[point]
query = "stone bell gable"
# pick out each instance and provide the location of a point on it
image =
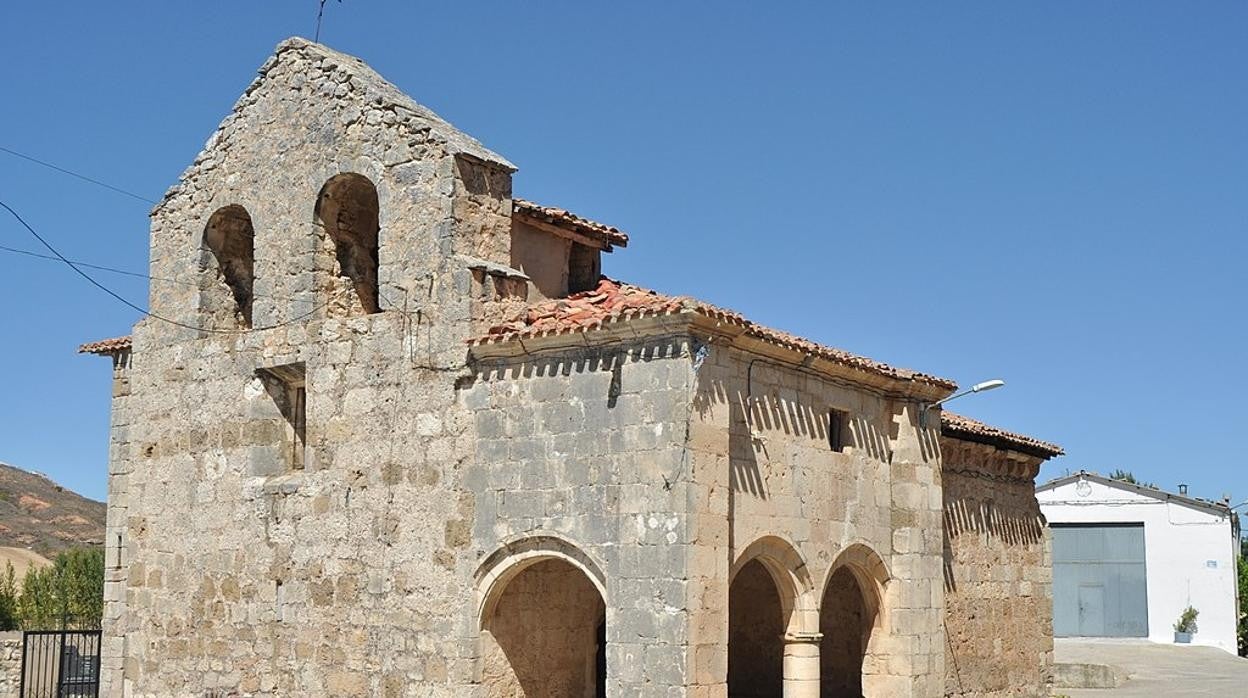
(327, 192)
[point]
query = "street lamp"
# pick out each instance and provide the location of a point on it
(977, 388)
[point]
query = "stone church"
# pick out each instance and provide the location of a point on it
(395, 434)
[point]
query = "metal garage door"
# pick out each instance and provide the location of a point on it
(1098, 581)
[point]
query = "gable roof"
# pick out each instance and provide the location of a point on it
(614, 302)
(1160, 495)
(364, 82)
(377, 90)
(957, 426)
(549, 215)
(106, 347)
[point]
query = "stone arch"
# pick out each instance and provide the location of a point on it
(770, 605)
(851, 620)
(230, 238)
(542, 616)
(349, 210)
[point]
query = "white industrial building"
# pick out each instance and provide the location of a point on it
(1127, 559)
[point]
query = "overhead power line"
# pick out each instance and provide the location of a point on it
(83, 177)
(131, 194)
(144, 311)
(320, 12)
(135, 274)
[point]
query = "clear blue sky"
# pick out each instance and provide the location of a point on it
(1051, 193)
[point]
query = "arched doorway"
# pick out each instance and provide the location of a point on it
(771, 615)
(755, 628)
(848, 621)
(543, 629)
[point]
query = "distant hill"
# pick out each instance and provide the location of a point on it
(22, 560)
(40, 515)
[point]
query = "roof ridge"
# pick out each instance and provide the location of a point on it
(612, 300)
(383, 91)
(955, 425)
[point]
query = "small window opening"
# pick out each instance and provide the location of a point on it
(286, 385)
(838, 430)
(584, 268)
(230, 237)
(348, 209)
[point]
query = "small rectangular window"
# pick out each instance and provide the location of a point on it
(838, 430)
(285, 384)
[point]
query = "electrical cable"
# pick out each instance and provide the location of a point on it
(137, 308)
(83, 177)
(135, 274)
(125, 192)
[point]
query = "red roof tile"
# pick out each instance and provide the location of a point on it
(566, 219)
(959, 427)
(106, 346)
(613, 302)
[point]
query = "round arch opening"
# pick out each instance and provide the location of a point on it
(849, 622)
(348, 209)
(543, 627)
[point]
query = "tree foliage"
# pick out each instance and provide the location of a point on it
(1129, 477)
(1243, 606)
(8, 598)
(69, 592)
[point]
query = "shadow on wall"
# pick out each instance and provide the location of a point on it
(588, 360)
(982, 517)
(756, 407)
(744, 474)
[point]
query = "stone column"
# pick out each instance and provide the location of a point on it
(801, 665)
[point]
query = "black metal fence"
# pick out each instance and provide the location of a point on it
(60, 664)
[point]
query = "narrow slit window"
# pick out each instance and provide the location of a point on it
(838, 430)
(299, 426)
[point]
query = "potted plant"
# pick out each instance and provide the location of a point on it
(1186, 626)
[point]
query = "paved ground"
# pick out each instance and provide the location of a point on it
(1157, 671)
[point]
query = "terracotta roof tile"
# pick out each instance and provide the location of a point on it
(613, 302)
(566, 219)
(957, 426)
(106, 346)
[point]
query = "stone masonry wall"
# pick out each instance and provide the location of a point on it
(583, 449)
(10, 664)
(764, 471)
(998, 575)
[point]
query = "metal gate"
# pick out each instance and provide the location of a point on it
(60, 664)
(1099, 582)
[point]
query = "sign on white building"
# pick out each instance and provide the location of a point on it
(1128, 559)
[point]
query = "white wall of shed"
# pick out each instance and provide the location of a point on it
(1189, 555)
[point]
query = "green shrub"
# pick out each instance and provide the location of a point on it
(1243, 607)
(8, 598)
(1187, 621)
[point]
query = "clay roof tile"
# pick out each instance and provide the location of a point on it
(106, 347)
(960, 427)
(612, 300)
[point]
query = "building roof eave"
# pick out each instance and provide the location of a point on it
(1160, 495)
